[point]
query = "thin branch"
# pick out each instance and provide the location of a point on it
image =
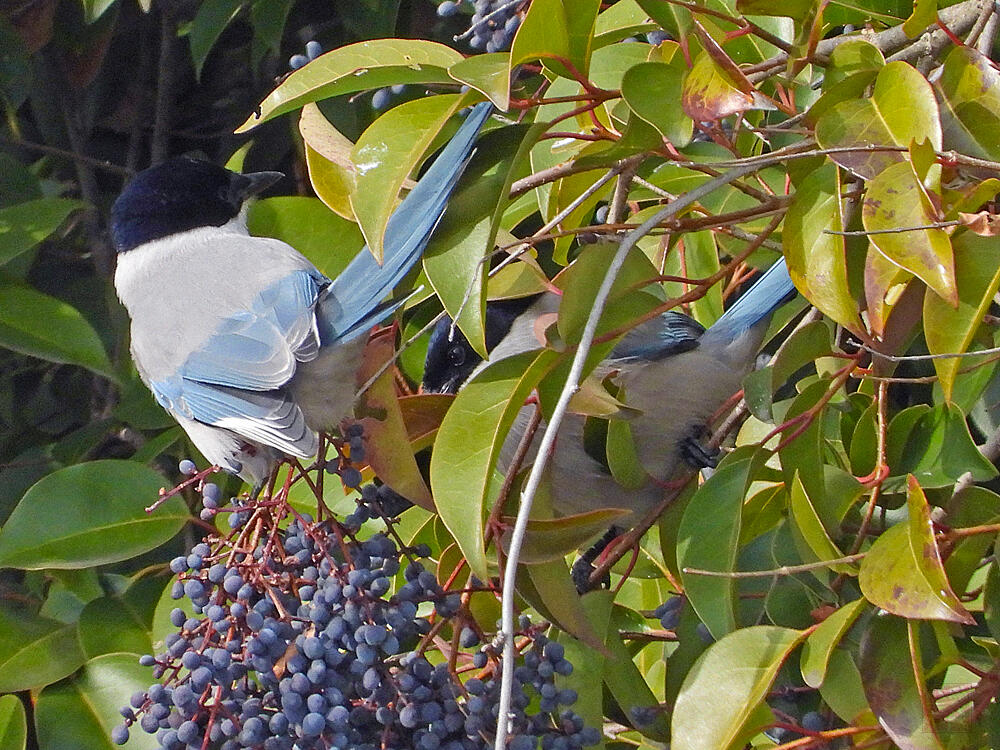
(570, 387)
(894, 230)
(784, 570)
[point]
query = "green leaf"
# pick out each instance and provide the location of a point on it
(15, 66)
(590, 660)
(902, 572)
(557, 30)
(948, 329)
(89, 514)
(66, 337)
(901, 110)
(210, 21)
(550, 539)
(328, 157)
(625, 683)
(387, 152)
(938, 448)
(708, 539)
(13, 724)
(991, 600)
(817, 261)
(896, 199)
(647, 85)
(924, 14)
(488, 73)
(469, 441)
(733, 677)
(306, 224)
(891, 686)
(94, 9)
(35, 651)
(81, 712)
(819, 646)
(453, 260)
(358, 67)
(24, 225)
(120, 623)
(551, 590)
(968, 92)
(807, 523)
(842, 688)
(710, 93)
(802, 347)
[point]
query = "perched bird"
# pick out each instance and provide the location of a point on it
(673, 371)
(247, 345)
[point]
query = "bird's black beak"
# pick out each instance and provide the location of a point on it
(245, 186)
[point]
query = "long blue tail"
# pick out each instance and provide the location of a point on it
(759, 301)
(353, 303)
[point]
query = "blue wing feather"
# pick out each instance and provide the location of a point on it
(664, 336)
(352, 304)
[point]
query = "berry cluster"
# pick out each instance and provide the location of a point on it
(493, 23)
(297, 641)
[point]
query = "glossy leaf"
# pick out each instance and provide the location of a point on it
(552, 591)
(646, 85)
(469, 442)
(733, 677)
(326, 239)
(820, 644)
(24, 225)
(35, 651)
(554, 29)
(817, 260)
(901, 109)
(708, 538)
(902, 572)
(625, 683)
(939, 448)
(949, 329)
(364, 65)
(487, 73)
(13, 723)
(891, 686)
(81, 712)
(387, 152)
(66, 338)
(89, 514)
(120, 623)
(895, 199)
(709, 92)
(466, 234)
(387, 445)
(809, 526)
(968, 92)
(328, 157)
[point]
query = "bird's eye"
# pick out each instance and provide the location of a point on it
(456, 355)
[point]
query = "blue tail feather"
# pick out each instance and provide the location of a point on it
(353, 301)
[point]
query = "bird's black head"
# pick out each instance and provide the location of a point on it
(450, 361)
(180, 194)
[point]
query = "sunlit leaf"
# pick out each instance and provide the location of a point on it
(644, 88)
(820, 644)
(902, 572)
(949, 329)
(808, 524)
(896, 200)
(361, 66)
(328, 157)
(488, 73)
(733, 677)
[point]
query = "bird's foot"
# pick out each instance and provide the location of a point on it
(584, 565)
(695, 453)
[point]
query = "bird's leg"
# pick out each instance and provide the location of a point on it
(584, 565)
(694, 452)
